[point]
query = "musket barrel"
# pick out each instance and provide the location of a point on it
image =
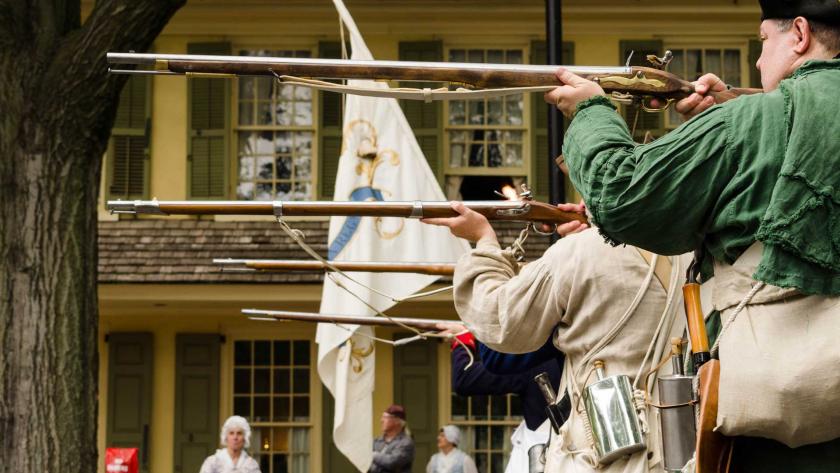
(434, 269)
(506, 210)
(420, 324)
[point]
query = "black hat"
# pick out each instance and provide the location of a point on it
(823, 11)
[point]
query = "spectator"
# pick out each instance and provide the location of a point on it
(393, 451)
(235, 438)
(450, 459)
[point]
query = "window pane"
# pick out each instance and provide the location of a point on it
(282, 381)
(246, 113)
(284, 167)
(481, 442)
(279, 462)
(457, 112)
(280, 442)
(261, 408)
(497, 461)
(498, 407)
(497, 437)
(242, 406)
(732, 67)
(242, 380)
(479, 407)
(262, 353)
(300, 408)
(282, 353)
(246, 168)
(242, 353)
(245, 191)
(282, 409)
(301, 380)
(459, 407)
(301, 353)
(262, 381)
(713, 62)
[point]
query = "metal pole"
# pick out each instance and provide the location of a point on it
(554, 46)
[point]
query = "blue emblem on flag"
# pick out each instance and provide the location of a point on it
(351, 224)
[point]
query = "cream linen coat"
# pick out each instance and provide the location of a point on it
(575, 292)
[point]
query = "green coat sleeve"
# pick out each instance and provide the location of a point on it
(660, 196)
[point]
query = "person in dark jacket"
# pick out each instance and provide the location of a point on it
(393, 451)
(508, 374)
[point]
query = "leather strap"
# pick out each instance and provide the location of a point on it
(662, 271)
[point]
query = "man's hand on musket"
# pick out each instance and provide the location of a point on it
(469, 224)
(570, 227)
(699, 102)
(575, 89)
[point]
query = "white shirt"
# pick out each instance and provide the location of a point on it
(221, 462)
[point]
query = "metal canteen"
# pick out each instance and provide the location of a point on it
(679, 430)
(612, 416)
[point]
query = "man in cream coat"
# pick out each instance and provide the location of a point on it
(599, 302)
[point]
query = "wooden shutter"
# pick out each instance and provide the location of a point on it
(539, 124)
(196, 399)
(128, 151)
(646, 121)
(424, 118)
(752, 58)
(330, 126)
(130, 392)
(209, 112)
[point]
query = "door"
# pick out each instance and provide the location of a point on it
(130, 392)
(197, 423)
(415, 388)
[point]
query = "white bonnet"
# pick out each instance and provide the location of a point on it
(452, 434)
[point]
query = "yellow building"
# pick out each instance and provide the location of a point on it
(176, 356)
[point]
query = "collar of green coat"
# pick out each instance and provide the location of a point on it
(815, 65)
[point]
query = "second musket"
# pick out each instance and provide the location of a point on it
(505, 210)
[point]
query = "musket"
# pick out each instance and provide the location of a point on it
(273, 265)
(282, 315)
(625, 83)
(524, 210)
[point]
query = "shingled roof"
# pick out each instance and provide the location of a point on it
(181, 251)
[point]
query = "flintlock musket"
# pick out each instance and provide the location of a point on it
(282, 315)
(625, 83)
(273, 265)
(524, 210)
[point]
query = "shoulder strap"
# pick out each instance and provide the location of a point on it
(662, 271)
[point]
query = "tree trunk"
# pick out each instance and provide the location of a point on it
(58, 105)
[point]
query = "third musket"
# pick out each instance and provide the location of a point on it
(506, 210)
(433, 269)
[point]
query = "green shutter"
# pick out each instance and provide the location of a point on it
(128, 153)
(539, 119)
(196, 399)
(424, 118)
(209, 112)
(754, 54)
(646, 121)
(130, 393)
(330, 118)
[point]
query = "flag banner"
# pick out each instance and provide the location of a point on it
(380, 160)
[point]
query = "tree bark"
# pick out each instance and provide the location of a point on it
(58, 105)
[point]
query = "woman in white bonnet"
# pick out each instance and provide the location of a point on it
(232, 458)
(450, 459)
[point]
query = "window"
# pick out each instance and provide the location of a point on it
(692, 62)
(271, 388)
(486, 137)
(274, 130)
(486, 422)
(128, 150)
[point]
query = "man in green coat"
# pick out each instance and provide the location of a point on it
(762, 168)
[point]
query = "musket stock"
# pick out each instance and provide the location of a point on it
(268, 265)
(625, 81)
(282, 315)
(502, 210)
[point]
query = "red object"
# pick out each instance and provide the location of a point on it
(465, 338)
(121, 460)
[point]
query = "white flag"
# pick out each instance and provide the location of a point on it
(380, 160)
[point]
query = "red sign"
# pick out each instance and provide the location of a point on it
(121, 460)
